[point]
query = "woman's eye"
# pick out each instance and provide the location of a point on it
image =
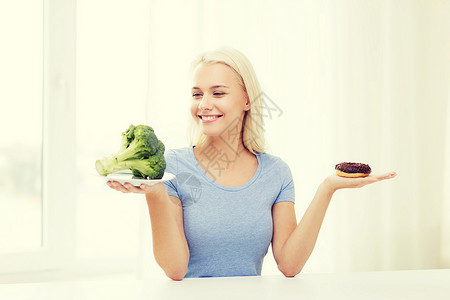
(216, 94)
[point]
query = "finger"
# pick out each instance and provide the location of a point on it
(360, 182)
(118, 187)
(133, 189)
(386, 176)
(112, 184)
(145, 187)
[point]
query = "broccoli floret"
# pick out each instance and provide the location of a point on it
(155, 165)
(141, 152)
(127, 137)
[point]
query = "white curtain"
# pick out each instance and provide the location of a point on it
(354, 81)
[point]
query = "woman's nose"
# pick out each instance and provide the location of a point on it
(205, 103)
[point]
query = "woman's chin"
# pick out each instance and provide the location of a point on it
(209, 130)
(210, 133)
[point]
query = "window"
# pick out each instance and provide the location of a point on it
(21, 122)
(37, 154)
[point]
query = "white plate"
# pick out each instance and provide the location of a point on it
(127, 176)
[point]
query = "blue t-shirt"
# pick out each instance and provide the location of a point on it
(228, 229)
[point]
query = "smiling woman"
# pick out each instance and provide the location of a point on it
(218, 104)
(340, 83)
(348, 81)
(247, 195)
(227, 82)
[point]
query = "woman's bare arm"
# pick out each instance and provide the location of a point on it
(166, 216)
(293, 244)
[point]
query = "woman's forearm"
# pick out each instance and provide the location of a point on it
(169, 245)
(300, 244)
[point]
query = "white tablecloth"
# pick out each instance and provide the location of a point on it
(421, 284)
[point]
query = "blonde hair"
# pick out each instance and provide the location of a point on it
(252, 133)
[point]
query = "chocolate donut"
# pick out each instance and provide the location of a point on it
(350, 169)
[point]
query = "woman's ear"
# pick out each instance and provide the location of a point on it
(247, 104)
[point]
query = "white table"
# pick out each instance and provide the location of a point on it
(423, 284)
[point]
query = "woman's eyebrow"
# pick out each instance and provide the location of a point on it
(212, 87)
(218, 86)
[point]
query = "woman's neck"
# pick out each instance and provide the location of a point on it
(226, 163)
(220, 152)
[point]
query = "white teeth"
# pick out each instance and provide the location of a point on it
(209, 118)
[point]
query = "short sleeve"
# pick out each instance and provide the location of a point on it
(287, 190)
(171, 167)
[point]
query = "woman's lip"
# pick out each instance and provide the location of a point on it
(209, 118)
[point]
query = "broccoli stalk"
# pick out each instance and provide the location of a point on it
(141, 152)
(110, 165)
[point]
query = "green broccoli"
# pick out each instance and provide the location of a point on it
(127, 137)
(141, 152)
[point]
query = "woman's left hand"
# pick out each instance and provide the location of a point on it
(335, 182)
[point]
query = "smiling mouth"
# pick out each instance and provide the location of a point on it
(209, 118)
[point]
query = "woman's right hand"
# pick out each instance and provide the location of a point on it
(129, 188)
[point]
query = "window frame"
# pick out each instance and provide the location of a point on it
(58, 145)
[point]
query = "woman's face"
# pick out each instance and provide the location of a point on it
(219, 101)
